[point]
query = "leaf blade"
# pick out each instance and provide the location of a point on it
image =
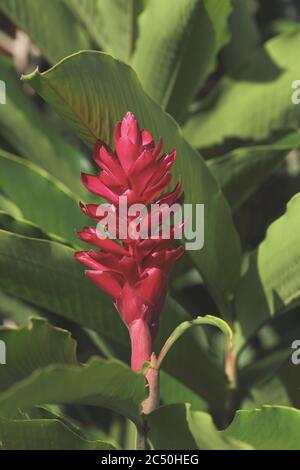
(271, 281)
(172, 59)
(58, 213)
(262, 87)
(268, 428)
(56, 17)
(58, 87)
(44, 434)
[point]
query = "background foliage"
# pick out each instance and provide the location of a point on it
(214, 78)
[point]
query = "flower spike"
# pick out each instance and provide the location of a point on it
(133, 271)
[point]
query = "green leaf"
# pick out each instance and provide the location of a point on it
(24, 126)
(270, 428)
(57, 213)
(262, 369)
(245, 36)
(15, 310)
(6, 205)
(44, 434)
(255, 101)
(219, 15)
(46, 274)
(107, 384)
(271, 280)
(24, 227)
(287, 376)
(271, 391)
(271, 371)
(36, 345)
(178, 427)
(28, 229)
(173, 391)
(174, 57)
(92, 91)
(283, 25)
(241, 172)
(50, 25)
(111, 25)
(41, 368)
(183, 327)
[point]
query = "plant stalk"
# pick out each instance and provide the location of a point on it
(141, 353)
(231, 372)
(151, 402)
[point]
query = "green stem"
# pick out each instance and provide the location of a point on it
(141, 439)
(150, 404)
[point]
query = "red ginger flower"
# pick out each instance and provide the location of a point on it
(135, 273)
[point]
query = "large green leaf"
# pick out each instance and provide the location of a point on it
(262, 369)
(241, 172)
(6, 205)
(41, 368)
(47, 203)
(288, 378)
(271, 391)
(271, 280)
(50, 25)
(111, 24)
(36, 345)
(274, 362)
(173, 391)
(35, 280)
(269, 376)
(219, 15)
(178, 427)
(44, 434)
(92, 91)
(15, 310)
(255, 101)
(270, 428)
(245, 35)
(108, 384)
(24, 126)
(45, 273)
(26, 228)
(173, 57)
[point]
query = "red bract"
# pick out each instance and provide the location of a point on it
(133, 272)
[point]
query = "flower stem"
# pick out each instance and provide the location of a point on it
(230, 365)
(141, 352)
(152, 376)
(151, 402)
(141, 439)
